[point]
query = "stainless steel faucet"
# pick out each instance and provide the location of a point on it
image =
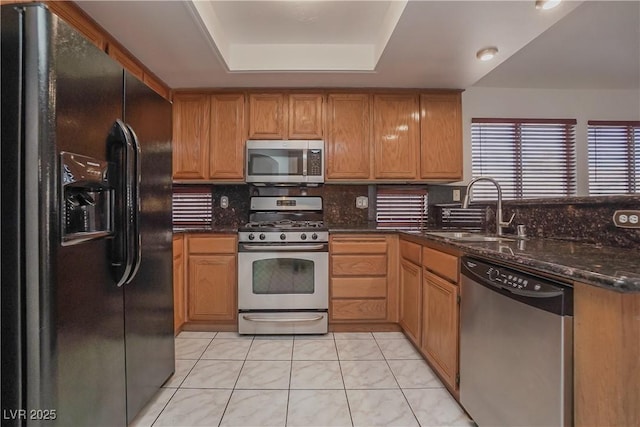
(499, 222)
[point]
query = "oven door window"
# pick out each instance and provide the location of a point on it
(276, 276)
(275, 162)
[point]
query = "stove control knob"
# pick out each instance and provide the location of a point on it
(494, 274)
(314, 236)
(262, 236)
(303, 236)
(252, 236)
(283, 236)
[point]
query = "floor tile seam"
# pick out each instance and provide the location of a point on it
(155, 420)
(226, 406)
(190, 370)
(343, 383)
(410, 407)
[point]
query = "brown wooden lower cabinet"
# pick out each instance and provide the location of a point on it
(411, 300)
(179, 303)
(212, 278)
(363, 278)
(606, 357)
(440, 332)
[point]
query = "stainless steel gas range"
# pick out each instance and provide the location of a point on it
(283, 267)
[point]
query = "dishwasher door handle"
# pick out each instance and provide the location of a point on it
(532, 294)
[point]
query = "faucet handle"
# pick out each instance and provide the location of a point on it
(508, 223)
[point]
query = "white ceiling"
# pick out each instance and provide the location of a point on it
(429, 44)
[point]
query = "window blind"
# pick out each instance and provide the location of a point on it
(614, 157)
(401, 209)
(192, 207)
(529, 157)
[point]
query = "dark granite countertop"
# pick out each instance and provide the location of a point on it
(607, 267)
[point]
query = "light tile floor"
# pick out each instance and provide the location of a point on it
(338, 379)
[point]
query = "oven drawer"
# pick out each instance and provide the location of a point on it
(297, 322)
(358, 309)
(359, 265)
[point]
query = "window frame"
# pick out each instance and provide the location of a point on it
(518, 149)
(632, 130)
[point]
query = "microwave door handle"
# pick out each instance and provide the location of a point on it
(120, 153)
(136, 245)
(304, 162)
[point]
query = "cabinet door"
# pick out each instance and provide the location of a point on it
(441, 136)
(348, 136)
(191, 137)
(267, 116)
(226, 159)
(395, 136)
(305, 116)
(212, 287)
(440, 334)
(410, 299)
(179, 305)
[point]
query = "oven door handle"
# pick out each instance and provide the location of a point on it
(267, 248)
(282, 319)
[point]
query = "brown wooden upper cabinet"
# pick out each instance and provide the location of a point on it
(305, 116)
(348, 137)
(191, 136)
(395, 136)
(226, 157)
(208, 137)
(267, 116)
(441, 136)
(286, 116)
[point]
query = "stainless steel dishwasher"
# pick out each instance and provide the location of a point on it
(516, 339)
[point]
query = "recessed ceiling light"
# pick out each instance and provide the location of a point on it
(487, 53)
(547, 4)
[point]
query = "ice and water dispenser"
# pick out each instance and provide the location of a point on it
(86, 198)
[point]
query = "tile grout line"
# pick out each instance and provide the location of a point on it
(342, 378)
(235, 384)
(181, 382)
(286, 413)
(397, 382)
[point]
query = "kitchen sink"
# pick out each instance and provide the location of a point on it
(465, 236)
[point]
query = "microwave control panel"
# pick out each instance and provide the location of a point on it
(314, 164)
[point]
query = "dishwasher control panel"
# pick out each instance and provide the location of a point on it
(509, 278)
(546, 293)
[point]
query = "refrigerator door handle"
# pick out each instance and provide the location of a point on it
(122, 173)
(135, 186)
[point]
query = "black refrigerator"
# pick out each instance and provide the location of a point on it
(87, 301)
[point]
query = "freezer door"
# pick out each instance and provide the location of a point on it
(149, 293)
(74, 313)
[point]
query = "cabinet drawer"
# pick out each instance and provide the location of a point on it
(440, 263)
(212, 244)
(359, 246)
(359, 287)
(358, 309)
(359, 265)
(410, 251)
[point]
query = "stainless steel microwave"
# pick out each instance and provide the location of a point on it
(285, 162)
